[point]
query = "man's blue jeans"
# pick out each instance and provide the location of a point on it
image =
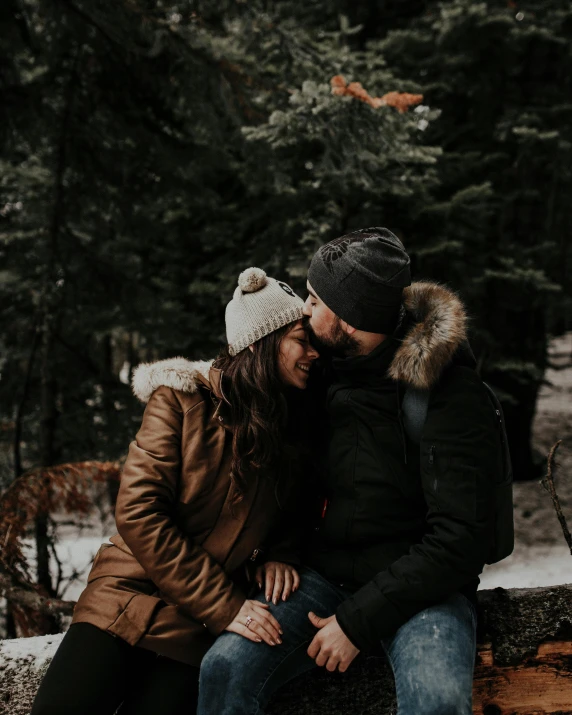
(432, 656)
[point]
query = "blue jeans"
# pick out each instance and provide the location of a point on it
(432, 656)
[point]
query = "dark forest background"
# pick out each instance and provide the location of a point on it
(151, 150)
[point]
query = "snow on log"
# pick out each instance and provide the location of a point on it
(524, 665)
(23, 663)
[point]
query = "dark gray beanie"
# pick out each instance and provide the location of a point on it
(361, 277)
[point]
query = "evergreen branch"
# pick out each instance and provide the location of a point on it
(118, 44)
(548, 484)
(289, 39)
(92, 22)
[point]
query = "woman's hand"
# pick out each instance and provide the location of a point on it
(255, 622)
(278, 580)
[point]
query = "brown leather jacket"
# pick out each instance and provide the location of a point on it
(173, 577)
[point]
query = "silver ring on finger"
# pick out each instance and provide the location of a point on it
(248, 621)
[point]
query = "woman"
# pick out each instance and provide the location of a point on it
(204, 482)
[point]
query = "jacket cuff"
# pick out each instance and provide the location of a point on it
(367, 617)
(345, 624)
(223, 614)
(285, 556)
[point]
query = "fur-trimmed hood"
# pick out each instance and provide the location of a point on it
(178, 373)
(437, 330)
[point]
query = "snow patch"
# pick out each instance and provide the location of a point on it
(529, 567)
(34, 652)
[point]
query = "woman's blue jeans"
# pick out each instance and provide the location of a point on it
(432, 656)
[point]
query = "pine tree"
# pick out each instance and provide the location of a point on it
(150, 152)
(498, 228)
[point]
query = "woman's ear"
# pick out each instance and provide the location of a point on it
(251, 348)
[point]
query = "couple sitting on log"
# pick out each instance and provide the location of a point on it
(329, 485)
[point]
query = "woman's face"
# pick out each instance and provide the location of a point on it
(295, 357)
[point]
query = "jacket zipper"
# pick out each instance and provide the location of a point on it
(400, 420)
(432, 454)
(434, 476)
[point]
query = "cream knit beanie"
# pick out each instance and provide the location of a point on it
(260, 305)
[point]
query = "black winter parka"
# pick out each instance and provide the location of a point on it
(406, 525)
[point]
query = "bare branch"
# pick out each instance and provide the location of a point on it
(548, 484)
(559, 366)
(59, 565)
(27, 597)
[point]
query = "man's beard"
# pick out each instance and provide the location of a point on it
(336, 344)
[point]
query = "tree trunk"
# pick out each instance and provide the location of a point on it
(518, 324)
(519, 416)
(48, 420)
(10, 622)
(108, 381)
(51, 306)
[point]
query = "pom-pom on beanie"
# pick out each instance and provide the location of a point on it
(260, 305)
(361, 277)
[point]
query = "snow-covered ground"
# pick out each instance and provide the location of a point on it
(530, 567)
(35, 652)
(75, 554)
(541, 556)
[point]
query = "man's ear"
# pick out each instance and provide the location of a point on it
(347, 328)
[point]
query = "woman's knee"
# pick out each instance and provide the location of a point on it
(63, 702)
(46, 706)
(86, 674)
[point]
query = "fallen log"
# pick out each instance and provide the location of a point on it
(524, 665)
(22, 595)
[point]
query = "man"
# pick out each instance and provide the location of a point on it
(405, 529)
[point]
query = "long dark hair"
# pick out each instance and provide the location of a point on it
(262, 439)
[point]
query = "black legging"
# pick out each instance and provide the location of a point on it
(92, 673)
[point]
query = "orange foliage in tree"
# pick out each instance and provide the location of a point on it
(400, 100)
(63, 487)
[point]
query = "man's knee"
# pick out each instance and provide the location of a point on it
(216, 663)
(437, 696)
(225, 661)
(224, 683)
(450, 700)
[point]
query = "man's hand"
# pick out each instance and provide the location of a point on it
(331, 647)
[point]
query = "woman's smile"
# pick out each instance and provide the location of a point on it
(296, 357)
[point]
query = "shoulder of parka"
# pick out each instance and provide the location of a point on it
(460, 404)
(179, 374)
(438, 329)
(176, 401)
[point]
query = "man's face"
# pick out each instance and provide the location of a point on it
(327, 333)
